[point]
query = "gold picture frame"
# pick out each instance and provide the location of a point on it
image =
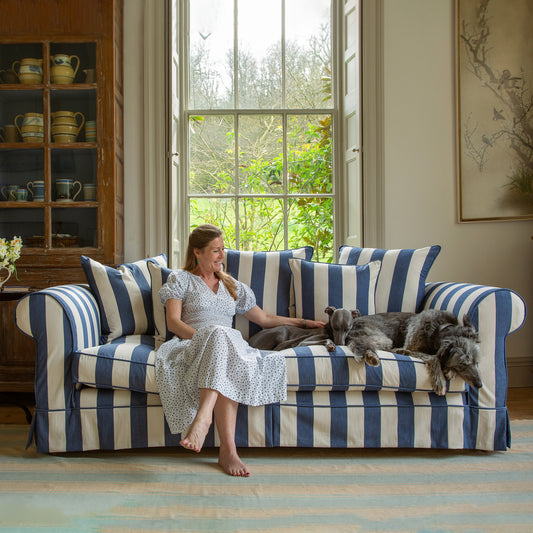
(494, 109)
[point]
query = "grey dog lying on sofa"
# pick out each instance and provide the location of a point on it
(283, 337)
(447, 347)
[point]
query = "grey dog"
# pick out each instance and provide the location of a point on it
(447, 347)
(283, 337)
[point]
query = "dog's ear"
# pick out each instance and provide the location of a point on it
(467, 323)
(356, 313)
(329, 310)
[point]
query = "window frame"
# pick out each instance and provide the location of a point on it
(164, 193)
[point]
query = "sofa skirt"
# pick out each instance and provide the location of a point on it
(112, 419)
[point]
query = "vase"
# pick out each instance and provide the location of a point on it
(3, 280)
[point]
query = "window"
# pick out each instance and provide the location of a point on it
(265, 108)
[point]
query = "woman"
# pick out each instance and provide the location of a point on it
(207, 367)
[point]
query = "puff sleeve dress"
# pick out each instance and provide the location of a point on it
(217, 357)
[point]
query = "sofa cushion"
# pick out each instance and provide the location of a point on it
(129, 363)
(124, 296)
(269, 276)
(124, 363)
(159, 275)
(402, 276)
(317, 285)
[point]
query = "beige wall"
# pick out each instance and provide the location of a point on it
(420, 174)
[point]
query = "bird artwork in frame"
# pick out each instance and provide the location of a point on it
(495, 109)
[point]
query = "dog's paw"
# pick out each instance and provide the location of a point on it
(439, 386)
(371, 358)
(330, 346)
(402, 351)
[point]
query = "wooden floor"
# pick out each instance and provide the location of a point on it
(519, 403)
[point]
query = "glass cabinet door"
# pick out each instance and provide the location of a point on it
(49, 179)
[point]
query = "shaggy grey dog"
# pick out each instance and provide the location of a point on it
(447, 347)
(283, 337)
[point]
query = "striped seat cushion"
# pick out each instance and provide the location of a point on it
(129, 363)
(125, 363)
(124, 296)
(318, 285)
(402, 276)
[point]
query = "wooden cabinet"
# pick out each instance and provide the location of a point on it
(17, 351)
(79, 145)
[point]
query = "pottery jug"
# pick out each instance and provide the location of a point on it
(32, 129)
(66, 125)
(62, 71)
(30, 70)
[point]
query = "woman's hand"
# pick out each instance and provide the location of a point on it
(266, 320)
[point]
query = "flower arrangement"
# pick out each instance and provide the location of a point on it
(9, 253)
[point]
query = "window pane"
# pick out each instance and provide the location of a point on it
(311, 223)
(218, 211)
(260, 154)
(308, 54)
(309, 154)
(211, 154)
(261, 224)
(211, 54)
(259, 29)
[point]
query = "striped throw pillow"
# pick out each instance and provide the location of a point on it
(269, 276)
(317, 285)
(159, 275)
(124, 296)
(402, 277)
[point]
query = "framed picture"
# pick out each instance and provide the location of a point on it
(495, 109)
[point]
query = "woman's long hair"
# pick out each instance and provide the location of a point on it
(199, 238)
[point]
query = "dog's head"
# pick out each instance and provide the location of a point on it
(459, 355)
(340, 322)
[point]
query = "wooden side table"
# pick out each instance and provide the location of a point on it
(17, 352)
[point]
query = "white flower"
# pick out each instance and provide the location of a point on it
(9, 253)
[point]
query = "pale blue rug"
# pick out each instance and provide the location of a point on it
(290, 490)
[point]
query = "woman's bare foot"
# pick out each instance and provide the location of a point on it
(232, 464)
(194, 440)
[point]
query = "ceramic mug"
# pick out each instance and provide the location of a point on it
(90, 131)
(21, 195)
(65, 190)
(36, 189)
(10, 133)
(89, 192)
(8, 192)
(90, 75)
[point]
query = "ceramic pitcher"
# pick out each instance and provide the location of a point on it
(62, 71)
(30, 70)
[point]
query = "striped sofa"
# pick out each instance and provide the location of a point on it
(95, 381)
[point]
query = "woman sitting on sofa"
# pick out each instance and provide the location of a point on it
(208, 367)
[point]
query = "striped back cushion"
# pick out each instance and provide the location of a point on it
(124, 296)
(269, 276)
(317, 285)
(402, 276)
(159, 275)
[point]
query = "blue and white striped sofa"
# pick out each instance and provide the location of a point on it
(95, 381)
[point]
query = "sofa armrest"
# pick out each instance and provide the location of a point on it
(496, 313)
(61, 319)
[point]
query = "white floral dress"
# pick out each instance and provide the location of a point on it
(217, 357)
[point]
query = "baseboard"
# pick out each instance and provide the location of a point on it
(520, 371)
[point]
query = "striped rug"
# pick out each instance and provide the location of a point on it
(289, 490)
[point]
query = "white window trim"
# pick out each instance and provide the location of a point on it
(157, 122)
